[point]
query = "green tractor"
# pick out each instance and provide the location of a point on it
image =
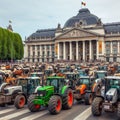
(109, 100)
(55, 95)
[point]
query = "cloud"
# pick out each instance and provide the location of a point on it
(27, 15)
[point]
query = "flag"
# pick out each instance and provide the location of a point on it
(10, 21)
(83, 3)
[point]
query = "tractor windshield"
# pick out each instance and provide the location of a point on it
(36, 75)
(115, 83)
(58, 83)
(83, 81)
(22, 82)
(101, 75)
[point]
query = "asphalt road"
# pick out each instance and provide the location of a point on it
(79, 111)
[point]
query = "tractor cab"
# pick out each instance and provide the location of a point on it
(118, 69)
(87, 81)
(82, 72)
(57, 82)
(37, 74)
(48, 72)
(109, 100)
(72, 77)
(28, 84)
(112, 82)
(100, 74)
(1, 80)
(63, 69)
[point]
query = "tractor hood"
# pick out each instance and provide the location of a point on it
(46, 88)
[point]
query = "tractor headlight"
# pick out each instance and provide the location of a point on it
(109, 97)
(6, 91)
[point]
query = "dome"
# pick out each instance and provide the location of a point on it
(83, 17)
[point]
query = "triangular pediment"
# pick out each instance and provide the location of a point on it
(76, 33)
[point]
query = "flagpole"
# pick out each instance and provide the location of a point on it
(81, 4)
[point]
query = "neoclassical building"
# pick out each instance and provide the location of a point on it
(84, 37)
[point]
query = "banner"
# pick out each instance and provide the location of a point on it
(56, 48)
(100, 47)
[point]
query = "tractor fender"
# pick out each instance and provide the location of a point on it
(83, 88)
(21, 93)
(15, 93)
(58, 94)
(2, 86)
(64, 89)
(37, 89)
(99, 96)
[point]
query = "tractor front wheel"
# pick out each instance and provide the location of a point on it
(97, 106)
(31, 106)
(55, 104)
(20, 101)
(88, 98)
(68, 99)
(118, 111)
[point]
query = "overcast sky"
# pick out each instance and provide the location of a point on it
(27, 16)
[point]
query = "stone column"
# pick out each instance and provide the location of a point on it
(83, 50)
(118, 47)
(90, 49)
(70, 50)
(64, 50)
(111, 47)
(45, 58)
(58, 51)
(76, 50)
(35, 57)
(40, 53)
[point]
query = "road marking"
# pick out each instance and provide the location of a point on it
(84, 115)
(14, 114)
(35, 115)
(6, 110)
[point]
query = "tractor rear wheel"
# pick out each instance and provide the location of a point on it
(2, 105)
(55, 104)
(88, 98)
(68, 99)
(97, 106)
(20, 101)
(118, 111)
(31, 106)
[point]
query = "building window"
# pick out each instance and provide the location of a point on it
(43, 53)
(42, 59)
(33, 54)
(33, 60)
(48, 53)
(53, 53)
(48, 47)
(38, 54)
(38, 47)
(52, 47)
(38, 60)
(107, 51)
(43, 47)
(33, 47)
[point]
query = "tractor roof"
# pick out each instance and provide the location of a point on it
(85, 77)
(28, 78)
(54, 77)
(112, 77)
(101, 71)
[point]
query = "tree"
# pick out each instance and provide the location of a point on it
(11, 46)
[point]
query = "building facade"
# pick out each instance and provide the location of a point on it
(84, 37)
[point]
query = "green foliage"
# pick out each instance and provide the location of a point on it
(11, 46)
